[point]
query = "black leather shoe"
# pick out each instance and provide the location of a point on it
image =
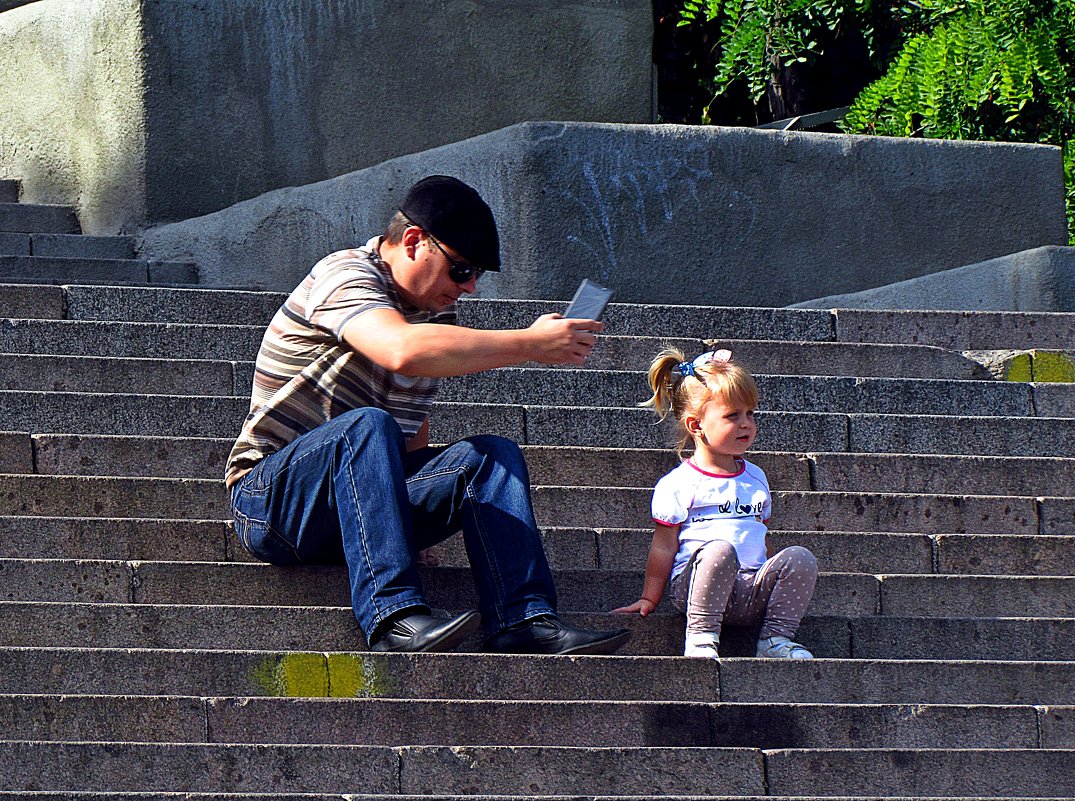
(550, 635)
(423, 632)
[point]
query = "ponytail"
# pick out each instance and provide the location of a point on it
(661, 382)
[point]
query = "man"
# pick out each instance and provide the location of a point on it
(333, 460)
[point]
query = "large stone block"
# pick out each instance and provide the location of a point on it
(153, 110)
(1041, 279)
(613, 203)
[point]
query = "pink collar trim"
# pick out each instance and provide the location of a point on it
(742, 466)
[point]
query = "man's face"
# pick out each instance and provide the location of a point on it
(426, 282)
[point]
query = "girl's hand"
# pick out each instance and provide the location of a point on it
(642, 606)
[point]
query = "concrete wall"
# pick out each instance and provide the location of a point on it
(72, 120)
(1042, 279)
(670, 213)
(232, 98)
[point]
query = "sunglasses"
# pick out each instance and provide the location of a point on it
(460, 271)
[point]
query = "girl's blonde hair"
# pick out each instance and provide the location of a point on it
(683, 395)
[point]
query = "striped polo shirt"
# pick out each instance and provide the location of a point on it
(306, 375)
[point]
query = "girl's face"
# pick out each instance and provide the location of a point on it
(721, 433)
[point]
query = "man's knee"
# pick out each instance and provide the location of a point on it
(492, 444)
(366, 422)
(501, 450)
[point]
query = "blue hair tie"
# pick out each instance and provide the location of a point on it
(690, 368)
(684, 369)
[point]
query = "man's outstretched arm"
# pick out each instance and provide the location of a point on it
(426, 349)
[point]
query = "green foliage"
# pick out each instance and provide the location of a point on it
(1001, 70)
(759, 38)
(982, 69)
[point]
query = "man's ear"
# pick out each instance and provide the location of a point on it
(412, 236)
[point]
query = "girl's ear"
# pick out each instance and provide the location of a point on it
(693, 424)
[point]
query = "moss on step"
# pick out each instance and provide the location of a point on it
(1042, 366)
(293, 675)
(305, 675)
(358, 676)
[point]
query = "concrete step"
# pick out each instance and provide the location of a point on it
(813, 432)
(597, 591)
(540, 770)
(609, 388)
(598, 507)
(829, 358)
(107, 374)
(82, 247)
(939, 434)
(240, 343)
(170, 305)
(208, 416)
(44, 537)
(118, 538)
(985, 596)
(829, 511)
(226, 627)
(10, 190)
(581, 724)
(204, 416)
(32, 301)
(35, 218)
(956, 331)
(979, 475)
(846, 594)
(55, 269)
(165, 796)
(14, 244)
(104, 455)
(583, 388)
(872, 552)
(126, 671)
(73, 246)
(137, 340)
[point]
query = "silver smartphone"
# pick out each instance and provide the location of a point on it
(589, 301)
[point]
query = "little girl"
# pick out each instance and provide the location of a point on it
(711, 513)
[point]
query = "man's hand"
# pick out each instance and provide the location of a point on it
(561, 340)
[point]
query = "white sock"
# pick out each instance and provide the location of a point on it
(701, 643)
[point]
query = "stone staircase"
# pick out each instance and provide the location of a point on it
(144, 655)
(41, 243)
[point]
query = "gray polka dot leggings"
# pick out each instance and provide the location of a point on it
(712, 589)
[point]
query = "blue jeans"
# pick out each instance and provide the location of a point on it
(349, 492)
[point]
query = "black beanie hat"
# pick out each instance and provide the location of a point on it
(455, 214)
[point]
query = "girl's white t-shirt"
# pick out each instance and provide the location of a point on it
(711, 506)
